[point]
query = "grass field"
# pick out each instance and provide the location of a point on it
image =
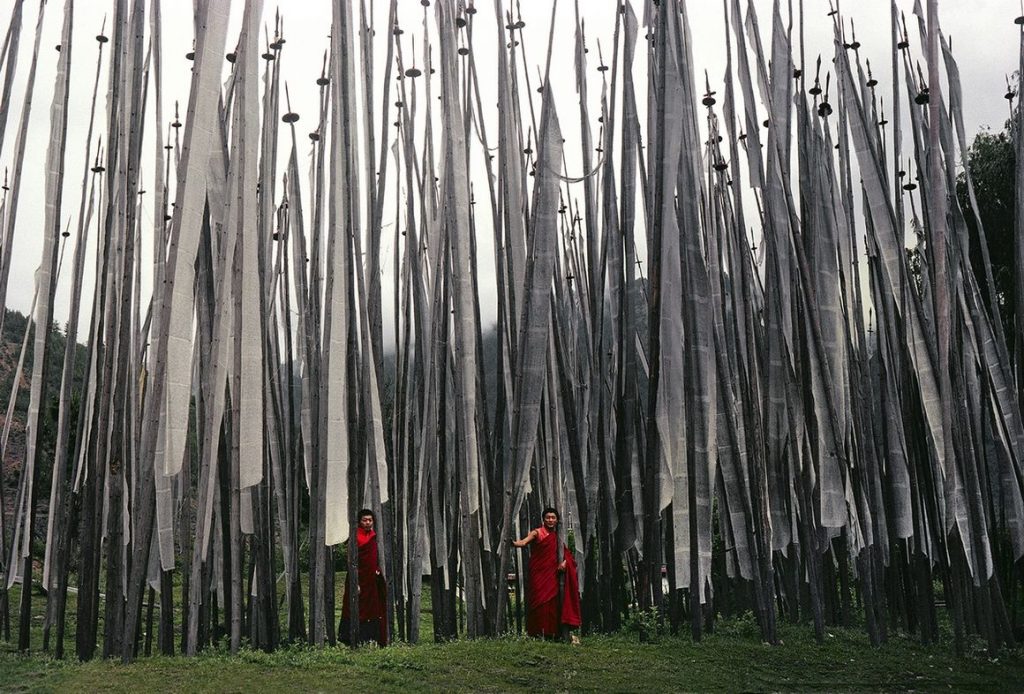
(731, 659)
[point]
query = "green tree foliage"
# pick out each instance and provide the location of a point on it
(11, 341)
(992, 164)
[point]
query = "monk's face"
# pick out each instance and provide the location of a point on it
(366, 522)
(550, 520)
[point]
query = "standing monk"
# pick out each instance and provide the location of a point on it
(373, 621)
(545, 613)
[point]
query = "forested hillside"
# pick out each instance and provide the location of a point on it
(16, 360)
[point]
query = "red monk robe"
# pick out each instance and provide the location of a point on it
(373, 623)
(544, 615)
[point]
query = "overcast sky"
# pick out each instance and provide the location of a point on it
(985, 43)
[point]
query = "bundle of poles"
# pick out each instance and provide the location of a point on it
(713, 351)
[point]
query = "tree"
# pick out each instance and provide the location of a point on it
(992, 164)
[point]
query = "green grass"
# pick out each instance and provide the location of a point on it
(731, 659)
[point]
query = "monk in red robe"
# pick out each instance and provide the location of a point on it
(546, 614)
(373, 621)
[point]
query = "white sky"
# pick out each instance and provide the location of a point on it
(985, 43)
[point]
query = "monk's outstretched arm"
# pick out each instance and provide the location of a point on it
(530, 537)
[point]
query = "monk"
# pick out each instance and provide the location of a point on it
(545, 615)
(373, 622)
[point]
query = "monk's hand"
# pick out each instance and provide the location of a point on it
(561, 567)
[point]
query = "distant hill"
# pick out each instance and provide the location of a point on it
(11, 341)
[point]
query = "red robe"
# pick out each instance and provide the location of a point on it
(373, 622)
(544, 615)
